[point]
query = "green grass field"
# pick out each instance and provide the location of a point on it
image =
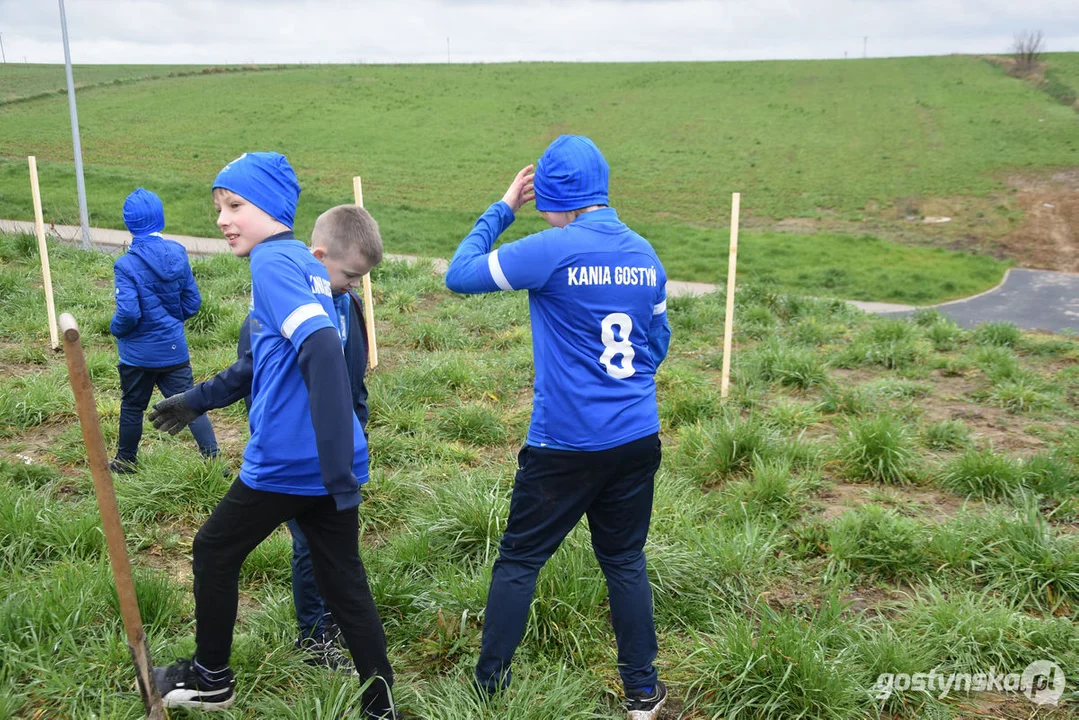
(858, 143)
(876, 496)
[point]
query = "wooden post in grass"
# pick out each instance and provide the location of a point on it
(110, 517)
(728, 323)
(368, 300)
(43, 250)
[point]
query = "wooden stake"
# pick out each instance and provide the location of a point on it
(43, 250)
(110, 517)
(728, 323)
(368, 300)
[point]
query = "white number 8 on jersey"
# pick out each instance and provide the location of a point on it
(613, 347)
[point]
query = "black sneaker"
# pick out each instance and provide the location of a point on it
(643, 705)
(322, 651)
(122, 467)
(181, 686)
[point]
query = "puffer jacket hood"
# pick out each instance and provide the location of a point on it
(143, 213)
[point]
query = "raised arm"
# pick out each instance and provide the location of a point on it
(474, 268)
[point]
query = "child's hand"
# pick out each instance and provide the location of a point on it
(520, 190)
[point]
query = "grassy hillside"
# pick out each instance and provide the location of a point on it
(843, 141)
(1062, 72)
(19, 82)
(877, 496)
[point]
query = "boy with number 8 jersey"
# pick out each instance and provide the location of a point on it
(597, 300)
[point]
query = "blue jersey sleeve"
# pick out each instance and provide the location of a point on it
(223, 389)
(284, 296)
(522, 265)
(659, 331)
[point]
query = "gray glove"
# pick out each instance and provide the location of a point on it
(172, 414)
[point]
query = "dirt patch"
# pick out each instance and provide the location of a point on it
(993, 705)
(877, 600)
(950, 401)
(673, 709)
(173, 562)
(37, 442)
(839, 499)
(923, 503)
(1048, 237)
(231, 434)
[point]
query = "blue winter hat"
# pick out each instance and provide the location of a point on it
(572, 174)
(266, 180)
(144, 213)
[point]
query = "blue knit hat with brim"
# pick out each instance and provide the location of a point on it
(572, 174)
(143, 213)
(264, 179)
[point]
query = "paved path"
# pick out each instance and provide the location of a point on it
(1032, 299)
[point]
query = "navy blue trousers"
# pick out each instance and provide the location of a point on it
(137, 385)
(553, 489)
(311, 614)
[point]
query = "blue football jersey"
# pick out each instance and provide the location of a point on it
(291, 299)
(598, 305)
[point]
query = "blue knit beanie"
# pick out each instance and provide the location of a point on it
(571, 175)
(144, 213)
(264, 179)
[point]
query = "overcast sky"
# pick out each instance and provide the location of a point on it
(270, 31)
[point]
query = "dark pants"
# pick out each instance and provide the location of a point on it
(138, 385)
(551, 492)
(311, 615)
(246, 517)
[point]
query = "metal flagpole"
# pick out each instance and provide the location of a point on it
(80, 182)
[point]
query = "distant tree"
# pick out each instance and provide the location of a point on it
(1027, 50)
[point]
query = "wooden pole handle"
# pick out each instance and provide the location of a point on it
(43, 251)
(368, 296)
(728, 323)
(90, 423)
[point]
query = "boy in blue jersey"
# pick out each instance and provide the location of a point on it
(597, 300)
(306, 457)
(155, 294)
(346, 240)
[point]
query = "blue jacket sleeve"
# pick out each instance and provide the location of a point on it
(228, 386)
(190, 298)
(322, 364)
(127, 313)
(470, 269)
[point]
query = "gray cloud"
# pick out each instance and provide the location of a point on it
(238, 31)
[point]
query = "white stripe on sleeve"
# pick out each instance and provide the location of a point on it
(660, 309)
(496, 272)
(298, 316)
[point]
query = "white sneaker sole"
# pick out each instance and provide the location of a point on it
(647, 714)
(179, 700)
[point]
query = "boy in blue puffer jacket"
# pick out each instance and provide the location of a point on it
(155, 294)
